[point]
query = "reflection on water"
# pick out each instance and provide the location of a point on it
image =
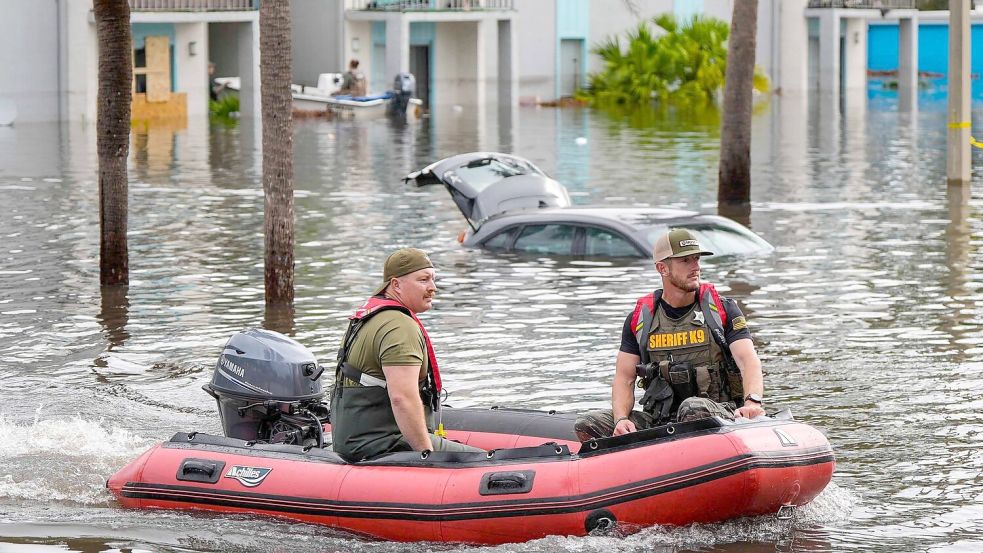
(867, 316)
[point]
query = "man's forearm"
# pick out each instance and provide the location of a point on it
(404, 396)
(411, 422)
(622, 397)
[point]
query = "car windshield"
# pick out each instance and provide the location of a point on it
(482, 173)
(720, 240)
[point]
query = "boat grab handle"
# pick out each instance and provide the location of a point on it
(508, 482)
(200, 470)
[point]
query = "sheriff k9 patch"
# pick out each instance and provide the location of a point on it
(248, 476)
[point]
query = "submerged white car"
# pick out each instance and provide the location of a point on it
(513, 206)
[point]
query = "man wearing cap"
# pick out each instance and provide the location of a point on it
(387, 383)
(689, 348)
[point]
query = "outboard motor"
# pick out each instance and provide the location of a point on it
(267, 388)
(404, 87)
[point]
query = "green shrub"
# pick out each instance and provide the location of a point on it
(225, 109)
(685, 64)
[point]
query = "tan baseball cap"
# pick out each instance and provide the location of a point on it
(402, 262)
(677, 243)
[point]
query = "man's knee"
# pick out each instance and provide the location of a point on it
(594, 424)
(443, 444)
(696, 408)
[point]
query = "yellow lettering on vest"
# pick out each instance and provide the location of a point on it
(682, 338)
(697, 336)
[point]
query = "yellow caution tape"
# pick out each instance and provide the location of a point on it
(960, 125)
(974, 142)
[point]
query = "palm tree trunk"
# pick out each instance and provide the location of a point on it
(734, 177)
(113, 135)
(278, 166)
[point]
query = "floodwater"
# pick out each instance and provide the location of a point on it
(867, 316)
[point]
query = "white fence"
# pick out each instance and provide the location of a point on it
(867, 4)
(430, 5)
(192, 5)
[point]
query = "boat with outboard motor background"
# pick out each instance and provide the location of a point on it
(536, 479)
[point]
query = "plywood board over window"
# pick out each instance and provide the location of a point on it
(158, 68)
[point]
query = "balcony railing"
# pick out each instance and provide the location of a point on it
(193, 5)
(866, 4)
(430, 5)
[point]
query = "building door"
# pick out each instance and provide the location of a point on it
(420, 67)
(571, 64)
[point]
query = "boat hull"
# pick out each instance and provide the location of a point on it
(705, 471)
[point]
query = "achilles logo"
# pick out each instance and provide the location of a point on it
(785, 439)
(248, 476)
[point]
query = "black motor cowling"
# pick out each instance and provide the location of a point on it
(268, 388)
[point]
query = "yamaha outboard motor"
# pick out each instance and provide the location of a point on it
(268, 389)
(404, 86)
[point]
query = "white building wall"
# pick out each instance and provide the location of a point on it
(608, 19)
(358, 33)
(316, 39)
(191, 61)
(29, 58)
(455, 71)
(535, 26)
(855, 54)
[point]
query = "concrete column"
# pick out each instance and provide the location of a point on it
(791, 72)
(485, 33)
(908, 52)
(397, 45)
(829, 51)
(908, 63)
(855, 54)
(508, 63)
(958, 161)
(192, 69)
(250, 100)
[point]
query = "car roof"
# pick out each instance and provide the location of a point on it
(633, 217)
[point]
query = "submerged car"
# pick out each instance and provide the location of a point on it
(513, 206)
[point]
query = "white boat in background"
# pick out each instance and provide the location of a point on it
(317, 99)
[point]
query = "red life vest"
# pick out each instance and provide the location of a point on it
(648, 301)
(376, 304)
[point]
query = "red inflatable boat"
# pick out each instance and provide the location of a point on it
(539, 480)
(536, 480)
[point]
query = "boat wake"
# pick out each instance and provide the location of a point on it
(62, 460)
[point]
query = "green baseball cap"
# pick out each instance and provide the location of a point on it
(402, 262)
(677, 243)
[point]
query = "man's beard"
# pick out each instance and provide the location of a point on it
(683, 284)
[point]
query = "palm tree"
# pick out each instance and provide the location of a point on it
(734, 176)
(278, 163)
(113, 141)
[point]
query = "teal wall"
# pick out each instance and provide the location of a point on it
(572, 22)
(377, 50)
(143, 30)
(425, 34)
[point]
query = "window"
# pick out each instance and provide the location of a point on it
(500, 241)
(140, 58)
(601, 242)
(482, 173)
(546, 239)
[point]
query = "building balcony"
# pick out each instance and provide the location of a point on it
(193, 5)
(429, 5)
(865, 4)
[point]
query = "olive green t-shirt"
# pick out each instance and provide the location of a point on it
(388, 338)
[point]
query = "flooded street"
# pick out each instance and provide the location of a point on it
(867, 317)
